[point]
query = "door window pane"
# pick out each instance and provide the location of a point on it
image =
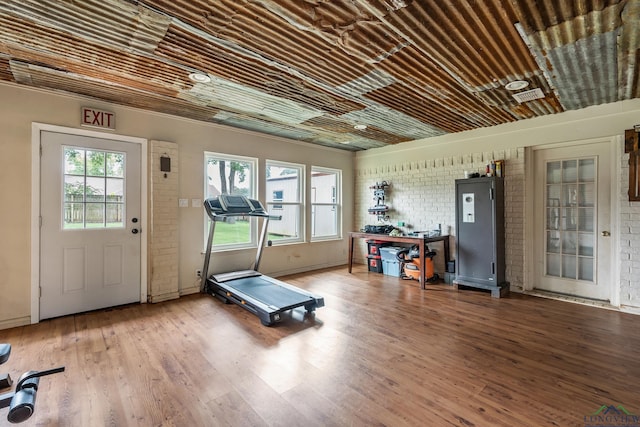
(553, 242)
(73, 161)
(115, 165)
(570, 219)
(553, 265)
(95, 189)
(587, 170)
(94, 215)
(94, 185)
(585, 269)
(569, 267)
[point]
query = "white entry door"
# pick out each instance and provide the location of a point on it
(573, 220)
(90, 224)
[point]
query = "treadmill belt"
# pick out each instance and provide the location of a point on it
(268, 292)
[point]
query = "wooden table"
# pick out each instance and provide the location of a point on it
(414, 240)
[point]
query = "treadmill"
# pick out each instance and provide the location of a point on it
(262, 295)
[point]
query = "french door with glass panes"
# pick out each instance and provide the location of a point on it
(572, 221)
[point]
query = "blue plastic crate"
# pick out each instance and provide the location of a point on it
(391, 268)
(388, 253)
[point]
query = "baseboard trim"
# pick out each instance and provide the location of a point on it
(164, 297)
(14, 323)
(573, 299)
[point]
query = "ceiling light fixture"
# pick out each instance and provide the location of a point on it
(516, 85)
(199, 77)
(360, 127)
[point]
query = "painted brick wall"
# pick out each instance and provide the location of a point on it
(163, 239)
(629, 241)
(422, 194)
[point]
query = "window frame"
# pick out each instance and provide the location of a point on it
(336, 205)
(85, 202)
(253, 193)
(275, 207)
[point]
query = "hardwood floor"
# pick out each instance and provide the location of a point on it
(382, 352)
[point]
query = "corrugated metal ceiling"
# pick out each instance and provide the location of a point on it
(312, 69)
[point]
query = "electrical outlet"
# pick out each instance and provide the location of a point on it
(198, 273)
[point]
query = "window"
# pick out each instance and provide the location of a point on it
(226, 174)
(285, 184)
(325, 203)
(93, 188)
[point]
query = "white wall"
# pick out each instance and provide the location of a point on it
(20, 107)
(422, 175)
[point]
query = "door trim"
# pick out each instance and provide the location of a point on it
(36, 132)
(615, 147)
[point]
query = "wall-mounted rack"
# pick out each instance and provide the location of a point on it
(379, 209)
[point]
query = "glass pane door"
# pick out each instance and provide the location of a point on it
(570, 218)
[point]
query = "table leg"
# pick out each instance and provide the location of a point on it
(447, 257)
(350, 263)
(422, 278)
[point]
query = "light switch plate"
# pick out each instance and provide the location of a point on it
(183, 203)
(196, 203)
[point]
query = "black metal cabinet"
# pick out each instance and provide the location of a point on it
(480, 234)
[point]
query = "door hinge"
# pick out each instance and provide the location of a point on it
(40, 150)
(491, 194)
(493, 268)
(40, 292)
(40, 221)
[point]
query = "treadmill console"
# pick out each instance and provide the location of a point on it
(233, 205)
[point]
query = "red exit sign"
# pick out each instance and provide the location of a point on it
(98, 118)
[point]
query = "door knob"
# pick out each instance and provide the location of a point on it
(606, 234)
(135, 231)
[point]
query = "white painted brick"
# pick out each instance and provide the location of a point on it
(164, 241)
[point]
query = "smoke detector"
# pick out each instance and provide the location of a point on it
(199, 77)
(516, 85)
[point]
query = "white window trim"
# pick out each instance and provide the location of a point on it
(301, 201)
(337, 204)
(253, 230)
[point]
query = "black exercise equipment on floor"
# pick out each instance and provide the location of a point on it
(22, 401)
(262, 295)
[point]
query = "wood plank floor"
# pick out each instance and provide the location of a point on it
(382, 352)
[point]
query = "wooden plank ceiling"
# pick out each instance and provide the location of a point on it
(313, 69)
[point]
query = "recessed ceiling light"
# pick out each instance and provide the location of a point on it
(199, 78)
(360, 127)
(516, 85)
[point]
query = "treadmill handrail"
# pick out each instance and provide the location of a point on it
(226, 205)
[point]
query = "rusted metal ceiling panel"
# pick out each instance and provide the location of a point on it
(47, 78)
(222, 61)
(580, 72)
(629, 52)
(31, 42)
(576, 47)
(541, 15)
(371, 137)
(311, 69)
(5, 71)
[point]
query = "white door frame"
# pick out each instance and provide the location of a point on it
(615, 145)
(36, 131)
